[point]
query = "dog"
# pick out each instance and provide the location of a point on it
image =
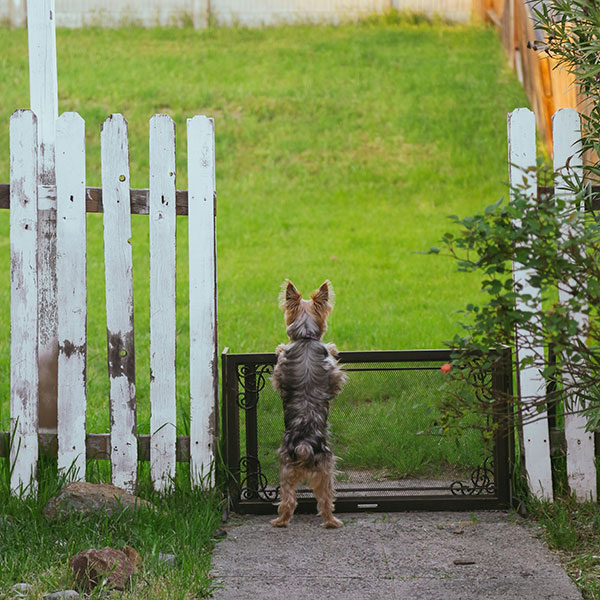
(308, 377)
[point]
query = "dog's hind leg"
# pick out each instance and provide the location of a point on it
(322, 484)
(288, 478)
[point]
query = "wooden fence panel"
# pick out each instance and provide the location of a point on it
(43, 91)
(23, 302)
(71, 293)
(581, 468)
(163, 408)
(119, 300)
(522, 163)
(203, 294)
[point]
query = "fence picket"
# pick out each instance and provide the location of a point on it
(581, 469)
(163, 412)
(71, 293)
(119, 300)
(23, 302)
(522, 163)
(203, 297)
(43, 91)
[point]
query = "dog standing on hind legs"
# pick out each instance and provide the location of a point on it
(308, 377)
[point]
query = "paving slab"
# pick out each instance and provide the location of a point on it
(489, 555)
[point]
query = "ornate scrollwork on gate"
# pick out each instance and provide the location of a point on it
(251, 379)
(482, 478)
(253, 482)
(482, 481)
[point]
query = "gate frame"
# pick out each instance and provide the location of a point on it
(503, 451)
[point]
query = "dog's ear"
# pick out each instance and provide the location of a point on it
(289, 296)
(324, 296)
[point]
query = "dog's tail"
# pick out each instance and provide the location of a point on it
(304, 452)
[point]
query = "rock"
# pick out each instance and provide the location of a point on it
(166, 559)
(93, 567)
(21, 588)
(63, 594)
(87, 498)
(133, 556)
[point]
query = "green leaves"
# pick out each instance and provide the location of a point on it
(555, 249)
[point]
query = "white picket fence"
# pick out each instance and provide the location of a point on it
(581, 469)
(71, 199)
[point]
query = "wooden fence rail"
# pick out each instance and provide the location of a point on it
(115, 199)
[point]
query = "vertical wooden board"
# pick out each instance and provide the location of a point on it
(119, 301)
(163, 410)
(581, 468)
(203, 298)
(71, 294)
(44, 102)
(43, 86)
(23, 302)
(522, 160)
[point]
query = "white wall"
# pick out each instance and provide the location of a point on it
(253, 13)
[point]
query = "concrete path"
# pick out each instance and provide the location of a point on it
(404, 556)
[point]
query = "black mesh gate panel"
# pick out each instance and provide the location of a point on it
(393, 453)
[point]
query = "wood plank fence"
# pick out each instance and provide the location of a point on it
(548, 87)
(123, 446)
(579, 443)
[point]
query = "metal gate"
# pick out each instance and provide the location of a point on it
(393, 453)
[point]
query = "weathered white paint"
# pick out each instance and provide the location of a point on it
(43, 91)
(163, 412)
(23, 302)
(71, 293)
(203, 297)
(249, 13)
(581, 468)
(522, 162)
(119, 300)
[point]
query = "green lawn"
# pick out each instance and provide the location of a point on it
(340, 152)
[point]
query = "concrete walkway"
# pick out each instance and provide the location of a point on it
(404, 556)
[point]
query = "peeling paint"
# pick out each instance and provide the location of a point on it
(67, 348)
(121, 364)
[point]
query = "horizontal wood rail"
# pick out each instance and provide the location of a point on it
(98, 446)
(140, 202)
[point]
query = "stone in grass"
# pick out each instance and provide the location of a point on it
(107, 565)
(88, 498)
(62, 595)
(133, 556)
(164, 558)
(21, 589)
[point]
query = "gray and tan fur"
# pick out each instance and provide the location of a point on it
(308, 377)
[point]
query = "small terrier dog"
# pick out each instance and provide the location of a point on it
(308, 377)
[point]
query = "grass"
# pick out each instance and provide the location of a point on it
(572, 529)
(340, 151)
(35, 550)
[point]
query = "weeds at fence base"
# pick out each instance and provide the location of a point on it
(37, 551)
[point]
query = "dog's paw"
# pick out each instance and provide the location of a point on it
(333, 523)
(279, 522)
